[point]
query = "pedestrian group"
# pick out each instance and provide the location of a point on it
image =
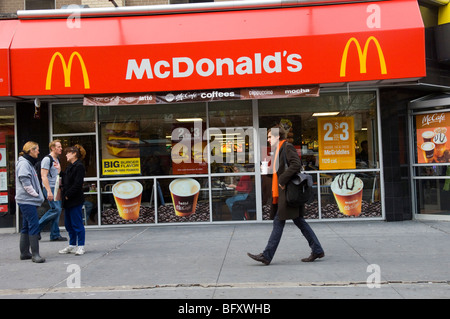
(67, 193)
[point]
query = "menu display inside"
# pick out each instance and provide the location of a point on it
(431, 133)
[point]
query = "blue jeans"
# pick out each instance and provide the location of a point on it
(230, 201)
(30, 220)
(52, 215)
(73, 219)
(277, 231)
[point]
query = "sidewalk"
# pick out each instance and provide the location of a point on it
(210, 262)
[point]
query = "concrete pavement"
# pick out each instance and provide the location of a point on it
(407, 259)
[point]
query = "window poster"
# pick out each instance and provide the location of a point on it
(2, 155)
(188, 148)
(336, 142)
(3, 202)
(120, 148)
(431, 137)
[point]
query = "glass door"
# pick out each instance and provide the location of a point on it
(430, 157)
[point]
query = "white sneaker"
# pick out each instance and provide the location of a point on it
(68, 250)
(80, 250)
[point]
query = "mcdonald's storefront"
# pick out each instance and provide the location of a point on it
(176, 106)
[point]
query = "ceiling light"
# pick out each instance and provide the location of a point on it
(325, 114)
(194, 119)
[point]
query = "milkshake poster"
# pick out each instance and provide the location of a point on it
(432, 133)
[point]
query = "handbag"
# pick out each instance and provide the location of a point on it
(298, 189)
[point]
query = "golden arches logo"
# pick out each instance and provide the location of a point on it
(362, 54)
(67, 69)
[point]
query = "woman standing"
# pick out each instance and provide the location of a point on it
(73, 199)
(29, 197)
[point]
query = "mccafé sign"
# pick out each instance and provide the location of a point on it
(306, 46)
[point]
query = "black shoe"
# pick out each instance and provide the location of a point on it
(259, 258)
(60, 238)
(313, 257)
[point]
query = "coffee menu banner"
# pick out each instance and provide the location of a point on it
(432, 131)
(203, 96)
(336, 142)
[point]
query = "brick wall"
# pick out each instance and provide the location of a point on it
(11, 6)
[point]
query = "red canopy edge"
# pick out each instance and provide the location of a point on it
(369, 41)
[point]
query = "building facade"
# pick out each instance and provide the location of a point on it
(173, 103)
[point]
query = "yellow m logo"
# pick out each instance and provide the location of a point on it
(362, 54)
(67, 69)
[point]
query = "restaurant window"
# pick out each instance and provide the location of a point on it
(231, 145)
(75, 124)
(39, 4)
(348, 117)
(231, 136)
(152, 140)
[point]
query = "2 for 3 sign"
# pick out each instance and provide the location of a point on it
(336, 142)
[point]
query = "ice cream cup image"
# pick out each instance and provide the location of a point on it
(439, 140)
(427, 136)
(127, 195)
(347, 190)
(184, 193)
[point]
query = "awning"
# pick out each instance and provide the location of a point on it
(7, 28)
(369, 41)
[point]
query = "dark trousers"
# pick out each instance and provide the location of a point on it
(73, 220)
(277, 231)
(30, 220)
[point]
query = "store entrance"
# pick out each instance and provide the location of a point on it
(430, 156)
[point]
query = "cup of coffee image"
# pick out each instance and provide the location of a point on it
(348, 190)
(428, 151)
(427, 136)
(184, 193)
(127, 195)
(439, 141)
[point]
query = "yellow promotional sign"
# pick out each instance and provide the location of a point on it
(362, 54)
(121, 166)
(336, 142)
(67, 69)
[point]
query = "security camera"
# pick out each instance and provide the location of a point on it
(37, 102)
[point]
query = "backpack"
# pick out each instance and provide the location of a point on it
(37, 167)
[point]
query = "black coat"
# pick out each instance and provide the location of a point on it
(72, 192)
(288, 154)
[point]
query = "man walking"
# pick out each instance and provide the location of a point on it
(285, 152)
(50, 170)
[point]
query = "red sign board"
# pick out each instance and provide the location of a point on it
(235, 49)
